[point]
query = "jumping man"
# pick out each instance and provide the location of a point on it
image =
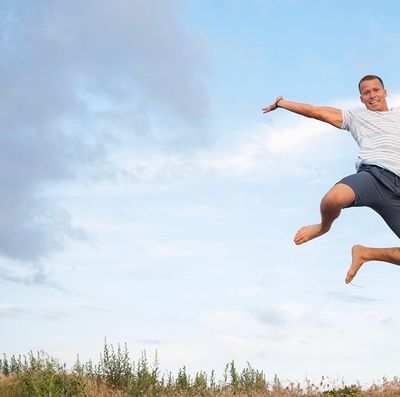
(376, 185)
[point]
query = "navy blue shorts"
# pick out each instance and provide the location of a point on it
(378, 189)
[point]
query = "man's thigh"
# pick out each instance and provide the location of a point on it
(390, 212)
(368, 191)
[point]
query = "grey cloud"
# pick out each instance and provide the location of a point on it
(271, 317)
(11, 311)
(31, 273)
(350, 298)
(78, 78)
(31, 227)
(390, 322)
(50, 312)
(18, 311)
(128, 49)
(28, 273)
(55, 312)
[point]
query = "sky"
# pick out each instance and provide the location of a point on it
(147, 200)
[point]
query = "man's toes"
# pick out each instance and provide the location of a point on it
(349, 277)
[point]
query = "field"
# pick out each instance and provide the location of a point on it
(117, 375)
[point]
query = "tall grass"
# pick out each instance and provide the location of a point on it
(117, 375)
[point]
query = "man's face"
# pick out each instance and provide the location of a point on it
(373, 95)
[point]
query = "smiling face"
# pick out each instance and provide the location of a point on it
(373, 95)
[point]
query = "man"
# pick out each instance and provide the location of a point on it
(376, 184)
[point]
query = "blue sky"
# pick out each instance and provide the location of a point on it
(148, 200)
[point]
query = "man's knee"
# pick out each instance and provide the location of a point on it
(340, 196)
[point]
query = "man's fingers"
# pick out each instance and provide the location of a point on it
(272, 106)
(267, 109)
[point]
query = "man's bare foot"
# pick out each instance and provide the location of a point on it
(307, 233)
(357, 261)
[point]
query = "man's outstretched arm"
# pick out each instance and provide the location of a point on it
(327, 114)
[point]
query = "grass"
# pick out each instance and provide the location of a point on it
(117, 375)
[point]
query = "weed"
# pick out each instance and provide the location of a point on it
(346, 391)
(117, 375)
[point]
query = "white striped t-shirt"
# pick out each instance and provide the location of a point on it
(378, 136)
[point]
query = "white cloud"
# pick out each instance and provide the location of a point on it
(263, 151)
(168, 250)
(393, 99)
(273, 321)
(246, 291)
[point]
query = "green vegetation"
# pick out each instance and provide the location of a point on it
(116, 375)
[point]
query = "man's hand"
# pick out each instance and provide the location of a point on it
(273, 106)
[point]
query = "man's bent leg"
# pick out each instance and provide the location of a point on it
(339, 197)
(361, 254)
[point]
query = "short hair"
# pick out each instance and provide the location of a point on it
(369, 77)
